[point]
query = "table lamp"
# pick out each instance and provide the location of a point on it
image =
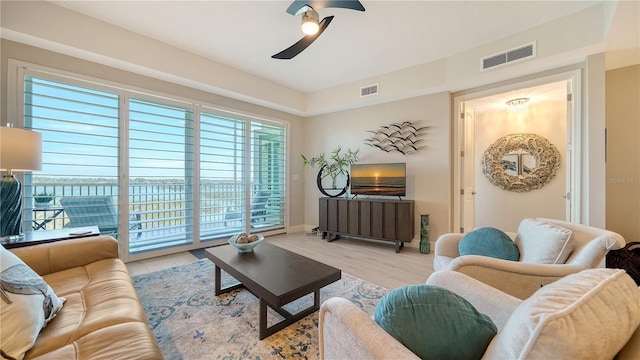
(20, 150)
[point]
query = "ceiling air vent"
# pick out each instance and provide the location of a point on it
(368, 90)
(519, 53)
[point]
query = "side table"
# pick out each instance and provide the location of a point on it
(47, 236)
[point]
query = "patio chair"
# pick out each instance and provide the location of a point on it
(258, 210)
(96, 211)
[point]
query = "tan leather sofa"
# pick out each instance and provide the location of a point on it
(102, 317)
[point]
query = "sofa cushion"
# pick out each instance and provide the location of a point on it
(28, 304)
(130, 340)
(99, 295)
(488, 241)
(543, 243)
(587, 315)
(433, 322)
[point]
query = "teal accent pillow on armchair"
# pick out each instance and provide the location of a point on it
(435, 323)
(488, 241)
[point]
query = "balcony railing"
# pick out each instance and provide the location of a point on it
(160, 214)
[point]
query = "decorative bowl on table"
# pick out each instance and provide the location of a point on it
(245, 243)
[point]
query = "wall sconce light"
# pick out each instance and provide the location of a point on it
(519, 104)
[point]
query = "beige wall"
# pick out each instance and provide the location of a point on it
(18, 51)
(47, 25)
(428, 170)
(53, 27)
(623, 151)
(505, 209)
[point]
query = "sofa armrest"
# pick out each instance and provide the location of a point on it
(486, 299)
(347, 332)
(514, 278)
(66, 254)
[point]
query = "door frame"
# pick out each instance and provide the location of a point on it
(573, 148)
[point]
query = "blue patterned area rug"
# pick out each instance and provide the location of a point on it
(190, 322)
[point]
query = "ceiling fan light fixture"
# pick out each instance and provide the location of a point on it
(310, 24)
(519, 104)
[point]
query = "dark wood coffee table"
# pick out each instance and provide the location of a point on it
(274, 275)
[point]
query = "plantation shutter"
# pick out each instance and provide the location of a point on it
(268, 174)
(160, 174)
(79, 127)
(222, 176)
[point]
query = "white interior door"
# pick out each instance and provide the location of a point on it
(468, 171)
(569, 158)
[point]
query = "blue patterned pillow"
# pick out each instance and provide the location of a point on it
(490, 242)
(435, 323)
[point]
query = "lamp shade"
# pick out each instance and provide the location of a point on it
(20, 150)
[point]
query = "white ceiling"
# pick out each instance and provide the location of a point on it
(388, 36)
(556, 91)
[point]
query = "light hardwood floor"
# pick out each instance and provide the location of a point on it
(373, 261)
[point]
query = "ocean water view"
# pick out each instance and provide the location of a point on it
(387, 186)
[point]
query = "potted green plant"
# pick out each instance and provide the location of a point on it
(337, 164)
(43, 199)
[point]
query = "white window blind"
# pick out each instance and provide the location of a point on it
(79, 127)
(222, 175)
(160, 173)
(268, 170)
(106, 147)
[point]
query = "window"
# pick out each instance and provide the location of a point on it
(184, 172)
(222, 175)
(160, 175)
(268, 176)
(79, 129)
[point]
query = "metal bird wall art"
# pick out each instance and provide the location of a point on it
(403, 137)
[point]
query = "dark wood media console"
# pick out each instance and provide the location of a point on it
(379, 219)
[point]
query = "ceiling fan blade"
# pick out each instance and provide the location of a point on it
(295, 49)
(300, 6)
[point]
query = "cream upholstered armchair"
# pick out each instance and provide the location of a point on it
(593, 314)
(549, 250)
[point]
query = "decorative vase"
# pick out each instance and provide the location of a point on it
(324, 191)
(425, 247)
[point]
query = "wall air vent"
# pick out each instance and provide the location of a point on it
(369, 90)
(519, 53)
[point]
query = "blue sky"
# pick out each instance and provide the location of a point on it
(80, 135)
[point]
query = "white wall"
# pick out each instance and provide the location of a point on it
(428, 170)
(505, 209)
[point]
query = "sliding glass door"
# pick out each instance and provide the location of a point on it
(222, 175)
(267, 208)
(241, 183)
(155, 173)
(160, 175)
(80, 151)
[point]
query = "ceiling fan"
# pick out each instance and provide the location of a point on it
(310, 24)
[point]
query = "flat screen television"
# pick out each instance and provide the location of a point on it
(389, 179)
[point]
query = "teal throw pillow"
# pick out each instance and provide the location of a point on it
(435, 323)
(488, 241)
